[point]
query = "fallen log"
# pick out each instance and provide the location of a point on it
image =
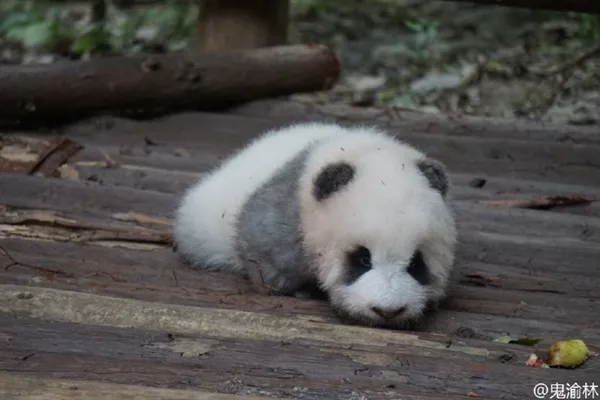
(145, 85)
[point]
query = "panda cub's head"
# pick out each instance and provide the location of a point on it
(377, 223)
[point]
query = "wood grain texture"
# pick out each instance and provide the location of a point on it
(151, 84)
(20, 386)
(415, 122)
(268, 348)
(528, 153)
(157, 276)
(92, 295)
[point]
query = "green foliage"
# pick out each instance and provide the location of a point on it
(426, 31)
(41, 25)
(92, 38)
(522, 341)
(34, 27)
(589, 27)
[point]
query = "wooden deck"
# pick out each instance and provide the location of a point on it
(94, 304)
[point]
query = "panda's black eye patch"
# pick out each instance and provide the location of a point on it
(418, 269)
(332, 178)
(358, 262)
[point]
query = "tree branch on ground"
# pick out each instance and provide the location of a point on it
(150, 84)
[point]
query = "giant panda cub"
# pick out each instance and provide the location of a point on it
(351, 210)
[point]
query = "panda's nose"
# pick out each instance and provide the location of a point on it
(388, 313)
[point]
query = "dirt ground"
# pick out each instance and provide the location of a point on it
(475, 59)
(437, 56)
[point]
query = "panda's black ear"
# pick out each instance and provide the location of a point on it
(435, 173)
(332, 178)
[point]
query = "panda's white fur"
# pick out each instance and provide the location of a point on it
(206, 219)
(393, 203)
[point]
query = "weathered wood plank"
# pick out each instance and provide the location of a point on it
(92, 199)
(229, 343)
(529, 253)
(34, 156)
(158, 276)
(135, 343)
(69, 306)
(515, 276)
(501, 244)
(155, 269)
(96, 200)
(161, 163)
(534, 254)
(244, 381)
(204, 136)
(170, 174)
(89, 297)
(157, 166)
(483, 225)
(416, 122)
(23, 386)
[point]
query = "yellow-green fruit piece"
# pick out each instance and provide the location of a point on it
(567, 353)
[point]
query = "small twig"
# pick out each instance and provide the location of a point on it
(262, 279)
(111, 276)
(227, 295)
(557, 69)
(108, 161)
(146, 288)
(58, 151)
(14, 262)
(95, 232)
(177, 282)
(25, 358)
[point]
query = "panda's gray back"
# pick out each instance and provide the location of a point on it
(268, 234)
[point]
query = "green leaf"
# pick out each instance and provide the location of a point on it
(90, 40)
(503, 339)
(522, 341)
(526, 341)
(34, 35)
(19, 20)
(404, 100)
(415, 26)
